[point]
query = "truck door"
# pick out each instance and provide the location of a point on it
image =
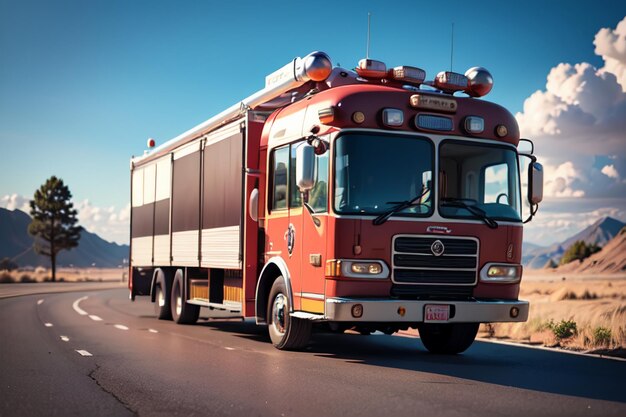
(311, 242)
(293, 233)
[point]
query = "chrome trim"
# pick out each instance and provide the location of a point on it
(485, 278)
(311, 295)
(386, 310)
(308, 316)
(430, 236)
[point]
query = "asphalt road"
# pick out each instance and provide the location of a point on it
(95, 353)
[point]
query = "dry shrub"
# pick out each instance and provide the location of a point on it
(6, 278)
(25, 278)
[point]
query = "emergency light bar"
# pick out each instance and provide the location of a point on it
(407, 74)
(369, 68)
(450, 82)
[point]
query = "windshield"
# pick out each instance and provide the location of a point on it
(484, 177)
(375, 172)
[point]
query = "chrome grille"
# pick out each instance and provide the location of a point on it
(415, 263)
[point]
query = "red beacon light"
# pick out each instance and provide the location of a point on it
(150, 143)
(480, 81)
(370, 68)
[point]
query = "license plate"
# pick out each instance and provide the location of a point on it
(436, 313)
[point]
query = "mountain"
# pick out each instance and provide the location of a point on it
(611, 259)
(600, 233)
(92, 250)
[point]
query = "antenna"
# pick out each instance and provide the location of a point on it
(367, 50)
(452, 46)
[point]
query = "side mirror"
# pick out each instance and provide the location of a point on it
(305, 167)
(525, 147)
(535, 183)
(253, 205)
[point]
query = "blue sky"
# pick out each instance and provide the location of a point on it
(83, 84)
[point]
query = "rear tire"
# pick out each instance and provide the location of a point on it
(286, 332)
(447, 339)
(162, 290)
(182, 311)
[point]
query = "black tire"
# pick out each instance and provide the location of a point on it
(162, 290)
(182, 311)
(286, 332)
(447, 339)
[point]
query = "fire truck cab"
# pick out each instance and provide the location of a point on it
(370, 199)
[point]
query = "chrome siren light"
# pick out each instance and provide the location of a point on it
(480, 81)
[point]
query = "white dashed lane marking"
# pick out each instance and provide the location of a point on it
(77, 308)
(40, 302)
(83, 353)
(121, 327)
(48, 324)
(153, 331)
(94, 317)
(65, 338)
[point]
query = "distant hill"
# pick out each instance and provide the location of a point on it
(92, 250)
(599, 233)
(611, 259)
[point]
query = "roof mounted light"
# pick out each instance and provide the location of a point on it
(474, 124)
(316, 66)
(411, 75)
(480, 81)
(370, 68)
(393, 117)
(451, 82)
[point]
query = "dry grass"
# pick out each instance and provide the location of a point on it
(597, 306)
(66, 275)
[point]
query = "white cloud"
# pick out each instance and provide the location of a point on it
(109, 223)
(553, 223)
(610, 171)
(564, 180)
(611, 46)
(579, 122)
(15, 201)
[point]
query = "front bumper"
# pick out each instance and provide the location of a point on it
(387, 310)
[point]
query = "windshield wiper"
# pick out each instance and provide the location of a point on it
(480, 213)
(399, 206)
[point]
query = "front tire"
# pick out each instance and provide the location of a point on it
(447, 339)
(286, 332)
(182, 311)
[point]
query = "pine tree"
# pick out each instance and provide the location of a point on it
(54, 223)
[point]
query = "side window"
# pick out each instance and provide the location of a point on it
(318, 196)
(295, 198)
(280, 162)
(497, 184)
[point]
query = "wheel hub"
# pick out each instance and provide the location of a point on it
(278, 313)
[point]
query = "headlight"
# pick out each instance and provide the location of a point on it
(503, 273)
(370, 268)
(356, 268)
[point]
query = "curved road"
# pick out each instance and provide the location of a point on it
(95, 353)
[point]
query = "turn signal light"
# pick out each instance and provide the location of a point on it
(333, 268)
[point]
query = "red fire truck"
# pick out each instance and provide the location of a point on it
(370, 199)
